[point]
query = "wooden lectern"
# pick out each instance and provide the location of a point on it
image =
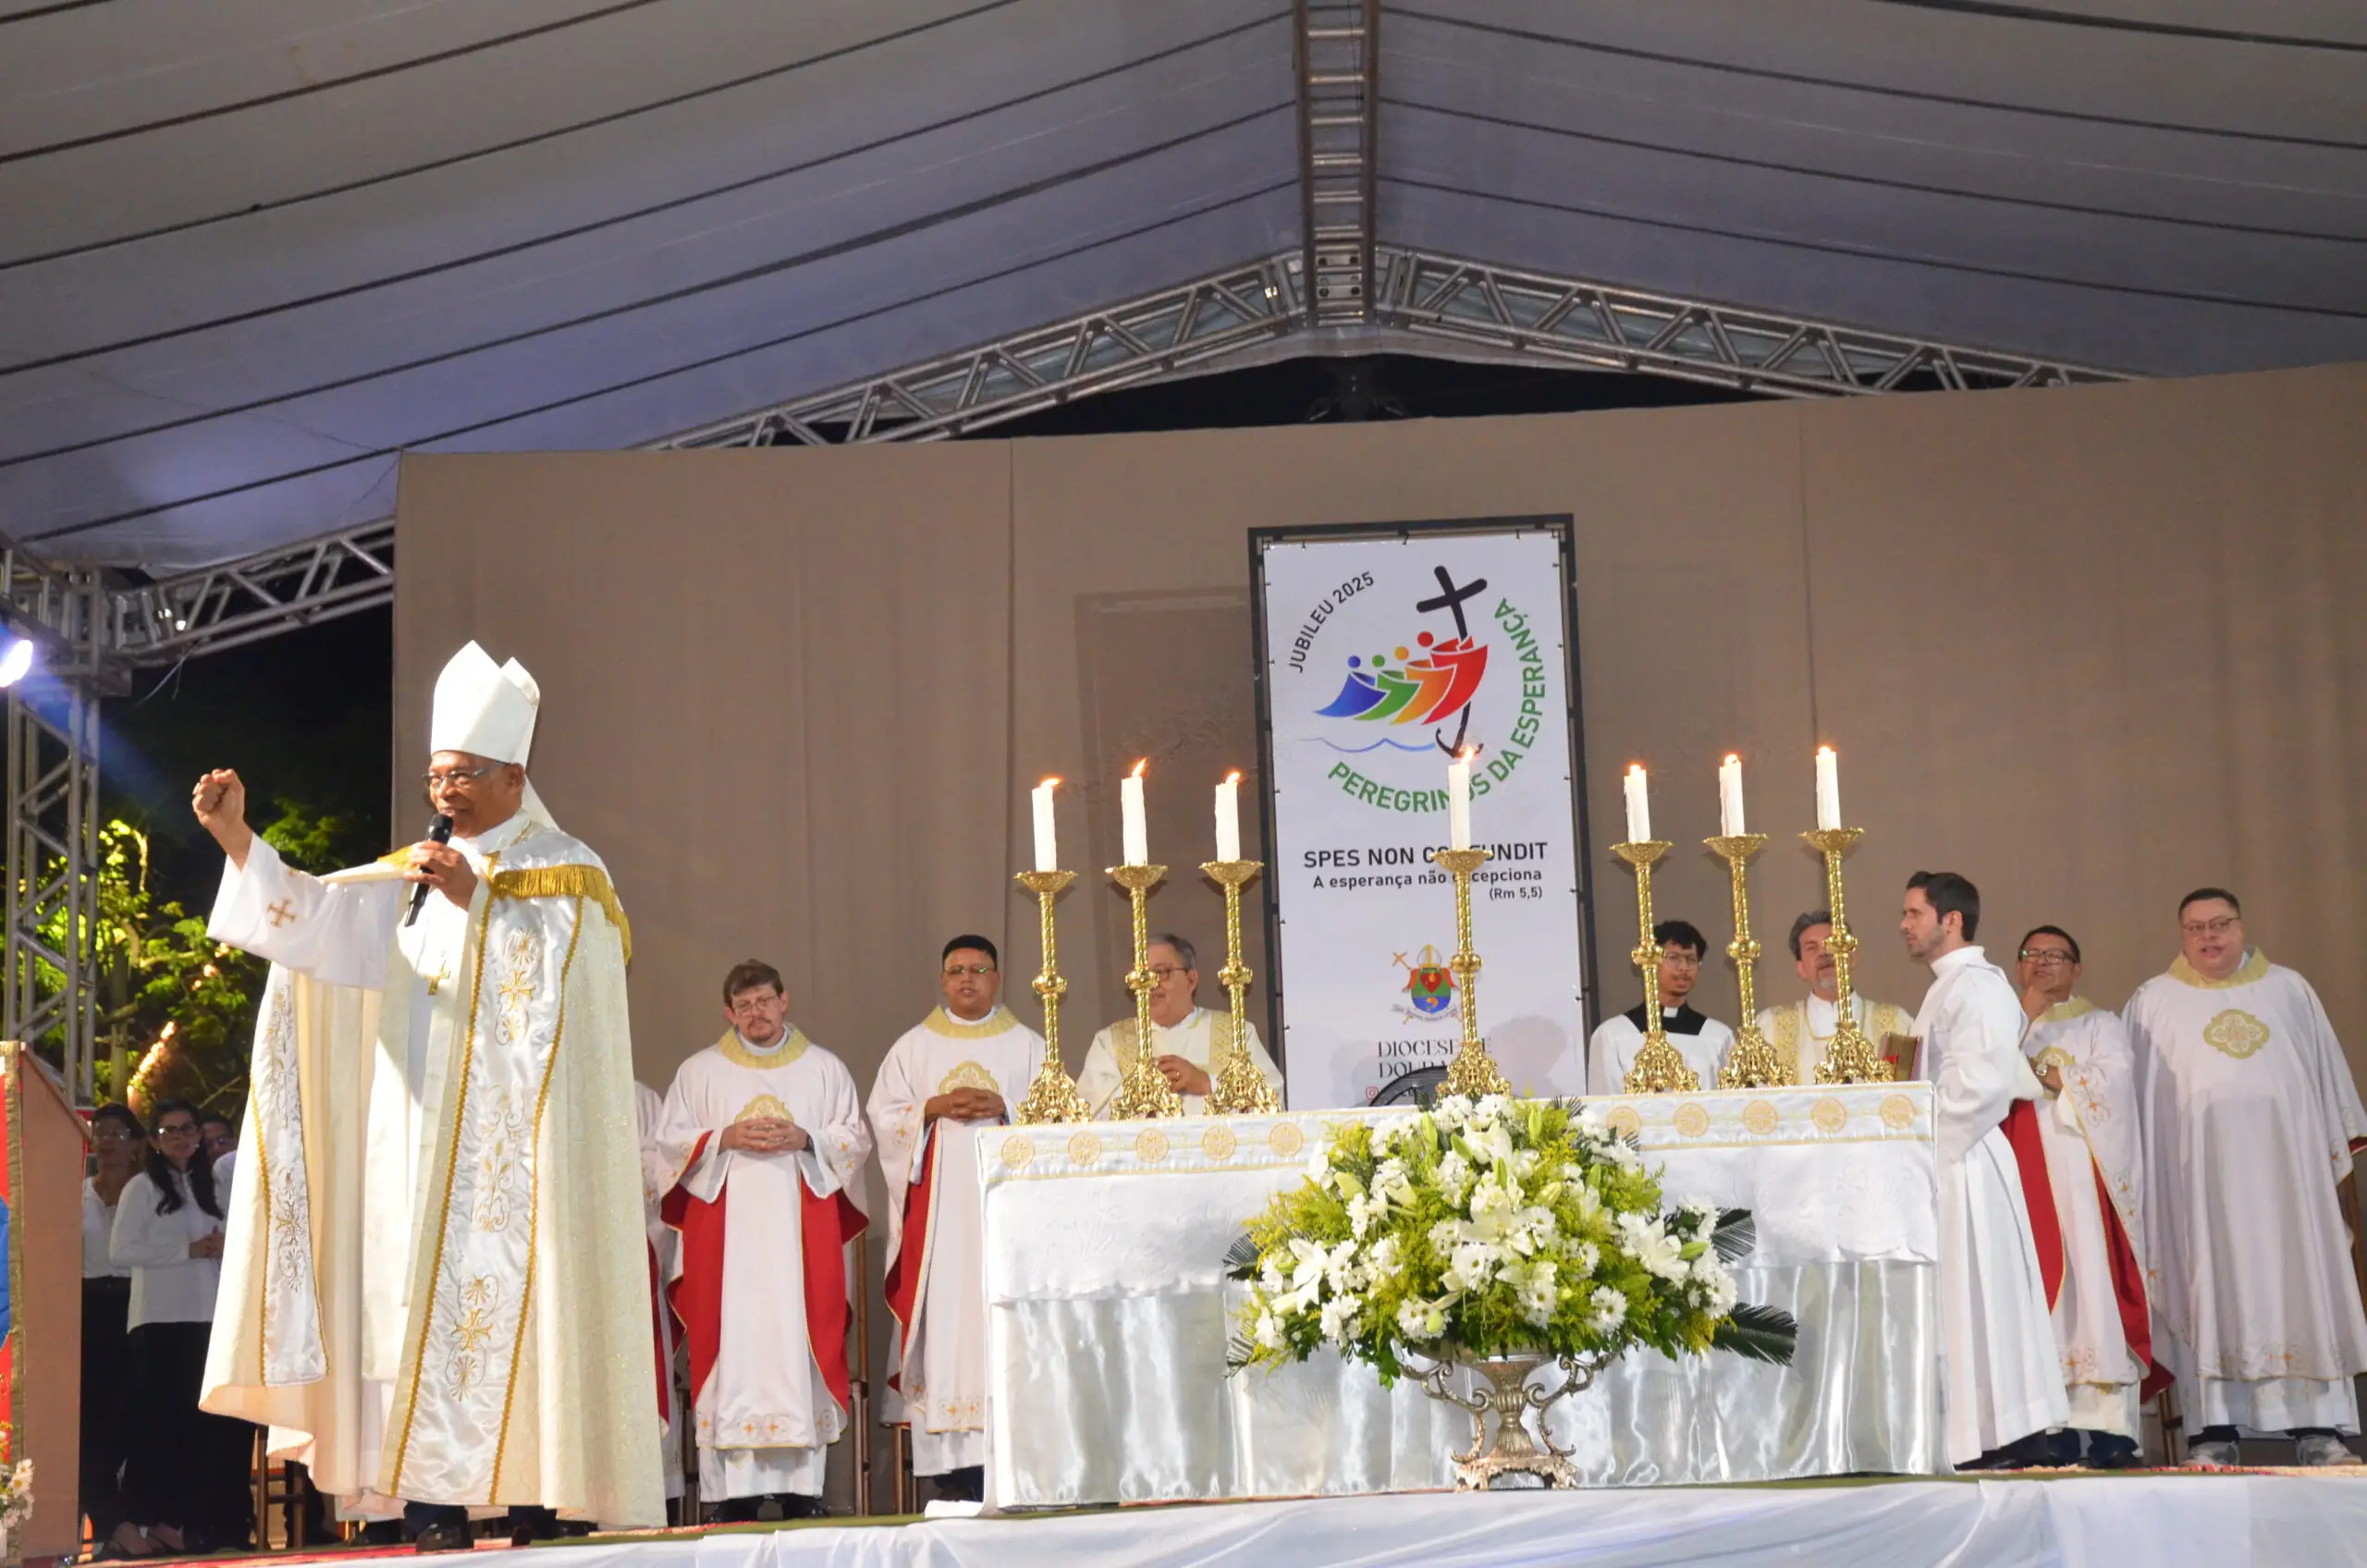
(40, 1361)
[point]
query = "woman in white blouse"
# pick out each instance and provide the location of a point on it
(169, 1233)
(115, 1140)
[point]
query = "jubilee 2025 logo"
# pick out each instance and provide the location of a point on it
(1427, 697)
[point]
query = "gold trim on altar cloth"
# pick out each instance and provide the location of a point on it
(2237, 1033)
(2255, 968)
(969, 1075)
(941, 1022)
(739, 1054)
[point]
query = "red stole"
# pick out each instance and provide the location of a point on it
(905, 1275)
(2128, 1292)
(828, 1225)
(2021, 1130)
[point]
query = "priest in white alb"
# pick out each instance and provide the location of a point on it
(2001, 1386)
(1702, 1041)
(2252, 1120)
(2094, 1163)
(1183, 1036)
(960, 1069)
(436, 1287)
(1801, 1032)
(765, 1140)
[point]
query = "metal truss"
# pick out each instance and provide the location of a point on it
(48, 988)
(1337, 52)
(1570, 323)
(1175, 330)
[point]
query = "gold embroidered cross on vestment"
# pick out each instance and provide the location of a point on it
(281, 914)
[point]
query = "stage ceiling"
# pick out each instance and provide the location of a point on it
(252, 249)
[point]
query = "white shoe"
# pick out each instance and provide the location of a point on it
(2319, 1449)
(2211, 1456)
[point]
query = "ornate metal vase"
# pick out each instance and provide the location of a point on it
(1503, 1455)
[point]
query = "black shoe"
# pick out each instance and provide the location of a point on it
(529, 1525)
(445, 1537)
(735, 1511)
(796, 1505)
(2110, 1451)
(2061, 1448)
(965, 1484)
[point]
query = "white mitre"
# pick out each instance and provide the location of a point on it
(487, 710)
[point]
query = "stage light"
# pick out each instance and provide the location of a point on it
(17, 662)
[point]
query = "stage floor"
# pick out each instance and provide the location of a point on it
(2149, 1519)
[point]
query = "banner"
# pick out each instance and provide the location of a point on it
(1380, 659)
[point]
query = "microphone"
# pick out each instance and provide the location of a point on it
(439, 831)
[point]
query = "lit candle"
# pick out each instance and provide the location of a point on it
(1828, 789)
(1730, 798)
(1047, 853)
(1458, 801)
(1229, 817)
(1136, 835)
(1639, 806)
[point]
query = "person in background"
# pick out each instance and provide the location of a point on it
(1702, 1042)
(115, 1139)
(221, 1134)
(169, 1233)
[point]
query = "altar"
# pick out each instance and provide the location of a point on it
(1109, 1314)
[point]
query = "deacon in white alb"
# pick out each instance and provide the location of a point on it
(2001, 1388)
(1702, 1042)
(764, 1138)
(2094, 1163)
(1801, 1032)
(1183, 1036)
(2251, 1119)
(958, 1071)
(436, 1286)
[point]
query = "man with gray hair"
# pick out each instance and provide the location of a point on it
(1183, 1036)
(1801, 1032)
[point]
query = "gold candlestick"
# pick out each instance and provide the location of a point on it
(1053, 1097)
(1144, 1094)
(1473, 1071)
(1752, 1064)
(1659, 1067)
(1851, 1059)
(1236, 1087)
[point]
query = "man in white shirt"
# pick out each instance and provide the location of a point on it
(2001, 1384)
(1702, 1042)
(1183, 1036)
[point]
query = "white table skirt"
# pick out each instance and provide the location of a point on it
(1109, 1314)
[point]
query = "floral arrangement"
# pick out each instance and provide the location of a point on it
(16, 1493)
(1490, 1228)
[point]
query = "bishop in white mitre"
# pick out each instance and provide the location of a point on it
(1801, 1032)
(765, 1140)
(2094, 1161)
(1185, 1037)
(1702, 1041)
(2252, 1118)
(435, 1288)
(955, 1075)
(2000, 1384)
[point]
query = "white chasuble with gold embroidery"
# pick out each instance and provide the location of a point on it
(1111, 1057)
(2251, 1119)
(2094, 1155)
(760, 1281)
(434, 1286)
(936, 1279)
(1801, 1032)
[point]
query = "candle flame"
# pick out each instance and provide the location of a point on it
(1733, 758)
(1635, 770)
(1468, 753)
(1824, 750)
(1048, 783)
(1138, 768)
(1233, 778)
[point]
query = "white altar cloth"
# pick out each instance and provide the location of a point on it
(1109, 1314)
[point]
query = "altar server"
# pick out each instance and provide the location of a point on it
(1801, 1032)
(1183, 1034)
(2251, 1117)
(435, 1285)
(1702, 1042)
(2001, 1388)
(764, 1138)
(2094, 1162)
(960, 1069)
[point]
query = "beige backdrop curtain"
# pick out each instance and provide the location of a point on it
(2090, 647)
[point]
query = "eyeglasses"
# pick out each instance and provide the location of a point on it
(2210, 927)
(2047, 956)
(453, 777)
(1163, 975)
(1681, 959)
(970, 969)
